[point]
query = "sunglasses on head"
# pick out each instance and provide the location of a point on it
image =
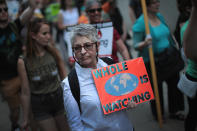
(4, 9)
(94, 10)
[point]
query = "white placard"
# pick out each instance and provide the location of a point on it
(105, 31)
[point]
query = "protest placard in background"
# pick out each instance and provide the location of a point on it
(105, 32)
(122, 82)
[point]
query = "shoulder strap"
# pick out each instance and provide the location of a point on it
(74, 86)
(74, 82)
(108, 60)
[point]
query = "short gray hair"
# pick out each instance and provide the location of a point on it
(84, 30)
(90, 3)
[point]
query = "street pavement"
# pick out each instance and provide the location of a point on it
(141, 117)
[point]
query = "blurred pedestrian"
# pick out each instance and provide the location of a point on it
(39, 72)
(184, 8)
(164, 52)
(135, 10)
(68, 16)
(10, 49)
(85, 45)
(115, 16)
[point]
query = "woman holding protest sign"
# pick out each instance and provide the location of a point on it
(82, 104)
(164, 51)
(93, 10)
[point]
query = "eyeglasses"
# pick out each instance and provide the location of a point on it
(4, 9)
(86, 46)
(94, 10)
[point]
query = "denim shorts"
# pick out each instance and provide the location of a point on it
(45, 106)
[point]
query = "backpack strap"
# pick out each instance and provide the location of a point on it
(108, 60)
(74, 86)
(74, 82)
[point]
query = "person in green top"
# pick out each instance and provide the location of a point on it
(188, 36)
(41, 71)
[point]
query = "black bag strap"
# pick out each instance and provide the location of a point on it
(74, 82)
(74, 86)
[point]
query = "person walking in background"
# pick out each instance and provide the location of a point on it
(68, 16)
(87, 114)
(184, 8)
(135, 10)
(93, 9)
(10, 49)
(189, 80)
(115, 16)
(163, 51)
(39, 73)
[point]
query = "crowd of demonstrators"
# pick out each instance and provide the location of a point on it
(33, 80)
(113, 14)
(93, 10)
(84, 112)
(161, 42)
(10, 49)
(189, 81)
(40, 85)
(135, 10)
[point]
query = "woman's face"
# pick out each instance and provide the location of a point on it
(85, 52)
(43, 37)
(154, 6)
(94, 13)
(69, 2)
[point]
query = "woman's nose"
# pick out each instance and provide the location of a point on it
(83, 50)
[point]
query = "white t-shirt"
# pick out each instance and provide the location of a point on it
(70, 17)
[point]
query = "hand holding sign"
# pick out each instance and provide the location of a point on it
(131, 105)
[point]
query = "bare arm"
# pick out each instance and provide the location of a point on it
(122, 49)
(28, 13)
(25, 92)
(60, 22)
(190, 35)
(61, 66)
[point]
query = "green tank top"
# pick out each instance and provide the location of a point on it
(42, 74)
